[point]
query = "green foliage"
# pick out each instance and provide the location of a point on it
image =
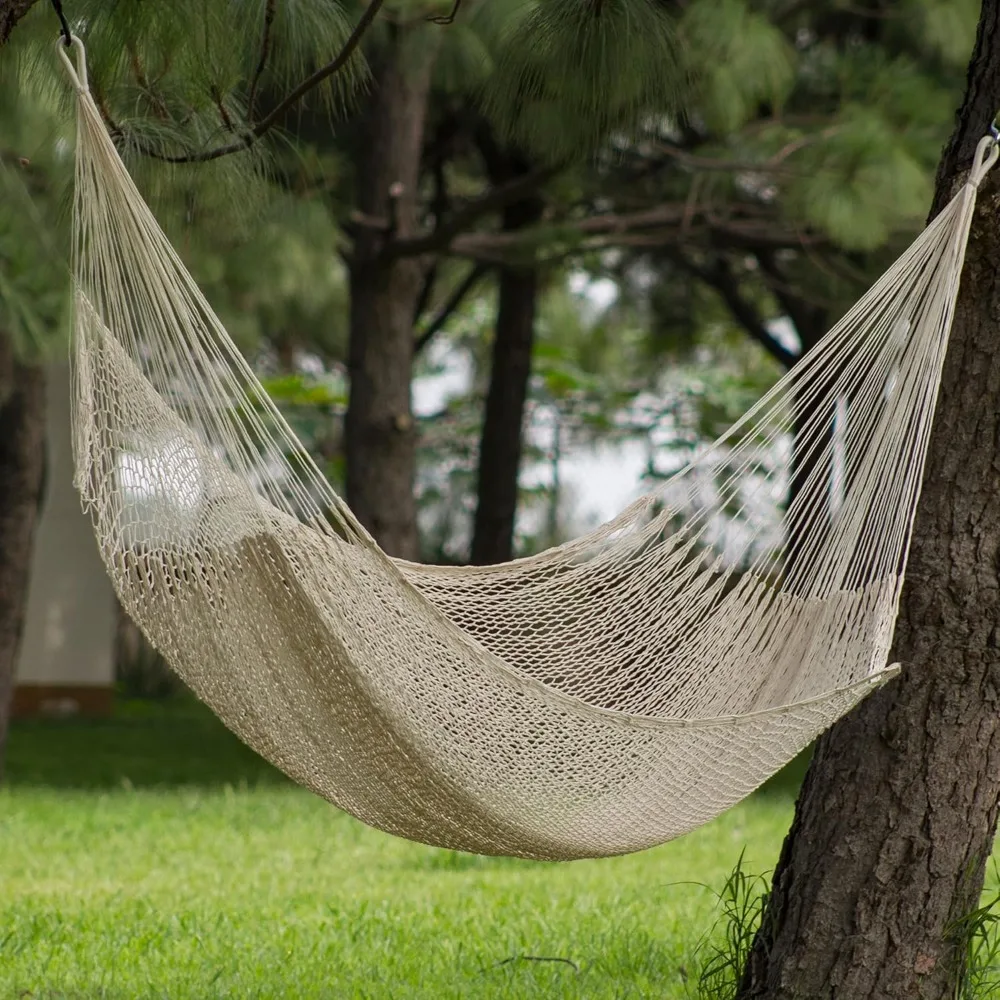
(867, 172)
(837, 147)
(185, 70)
(739, 59)
(314, 407)
(465, 62)
(589, 367)
(944, 27)
(864, 186)
(569, 72)
(265, 255)
(35, 172)
(283, 282)
(33, 284)
(175, 80)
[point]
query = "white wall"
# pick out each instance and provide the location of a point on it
(71, 618)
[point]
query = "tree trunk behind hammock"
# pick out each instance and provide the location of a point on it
(896, 818)
(808, 459)
(22, 466)
(500, 445)
(380, 436)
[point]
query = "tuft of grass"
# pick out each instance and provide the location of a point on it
(977, 934)
(742, 901)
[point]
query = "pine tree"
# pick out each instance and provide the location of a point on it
(500, 444)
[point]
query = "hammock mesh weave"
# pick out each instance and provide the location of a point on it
(599, 698)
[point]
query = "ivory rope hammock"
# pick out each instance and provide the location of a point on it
(599, 698)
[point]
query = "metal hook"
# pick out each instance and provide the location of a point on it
(66, 33)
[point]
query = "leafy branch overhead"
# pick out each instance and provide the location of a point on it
(776, 148)
(197, 98)
(714, 124)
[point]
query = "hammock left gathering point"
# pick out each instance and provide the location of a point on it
(599, 698)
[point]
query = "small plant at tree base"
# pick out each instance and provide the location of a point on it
(977, 938)
(742, 902)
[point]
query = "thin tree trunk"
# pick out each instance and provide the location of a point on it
(22, 466)
(380, 435)
(812, 458)
(809, 455)
(503, 423)
(500, 445)
(897, 815)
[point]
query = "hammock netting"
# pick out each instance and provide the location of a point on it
(599, 698)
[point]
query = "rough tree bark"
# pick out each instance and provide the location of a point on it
(380, 436)
(22, 465)
(897, 815)
(11, 11)
(513, 339)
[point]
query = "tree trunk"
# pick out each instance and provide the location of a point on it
(380, 436)
(808, 528)
(11, 11)
(503, 423)
(897, 815)
(513, 340)
(22, 466)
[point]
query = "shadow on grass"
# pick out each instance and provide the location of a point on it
(179, 742)
(146, 744)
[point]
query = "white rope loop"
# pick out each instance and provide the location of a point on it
(78, 73)
(986, 155)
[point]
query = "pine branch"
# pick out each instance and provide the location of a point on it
(274, 116)
(454, 301)
(719, 276)
(494, 200)
(755, 228)
(162, 111)
(265, 51)
(773, 166)
(711, 164)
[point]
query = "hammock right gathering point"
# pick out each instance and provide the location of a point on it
(599, 698)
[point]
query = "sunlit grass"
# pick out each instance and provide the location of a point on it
(157, 857)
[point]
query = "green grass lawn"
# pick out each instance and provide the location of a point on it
(155, 856)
